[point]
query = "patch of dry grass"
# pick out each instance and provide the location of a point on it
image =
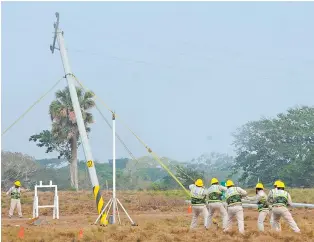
(162, 216)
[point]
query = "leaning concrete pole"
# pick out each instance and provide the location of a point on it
(79, 119)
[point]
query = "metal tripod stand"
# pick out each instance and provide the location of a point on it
(114, 201)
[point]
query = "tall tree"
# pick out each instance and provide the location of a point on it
(280, 147)
(64, 135)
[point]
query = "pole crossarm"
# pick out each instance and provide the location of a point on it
(56, 27)
(31, 107)
(149, 150)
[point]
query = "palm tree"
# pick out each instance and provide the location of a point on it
(64, 126)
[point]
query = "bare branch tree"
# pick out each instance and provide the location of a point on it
(16, 166)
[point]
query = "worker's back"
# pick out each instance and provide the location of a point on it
(233, 196)
(198, 195)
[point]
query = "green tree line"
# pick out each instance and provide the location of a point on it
(279, 147)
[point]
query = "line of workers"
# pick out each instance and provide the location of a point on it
(207, 201)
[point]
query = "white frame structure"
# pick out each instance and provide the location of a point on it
(55, 205)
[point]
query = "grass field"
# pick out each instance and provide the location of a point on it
(161, 216)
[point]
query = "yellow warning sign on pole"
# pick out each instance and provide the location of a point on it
(89, 163)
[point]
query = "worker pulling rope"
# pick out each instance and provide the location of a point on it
(149, 150)
(31, 107)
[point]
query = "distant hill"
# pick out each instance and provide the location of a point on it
(53, 163)
(149, 162)
(131, 174)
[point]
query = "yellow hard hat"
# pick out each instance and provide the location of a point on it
(229, 183)
(17, 183)
(259, 185)
(214, 180)
(199, 183)
(276, 182)
(281, 184)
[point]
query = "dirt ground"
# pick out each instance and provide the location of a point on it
(159, 218)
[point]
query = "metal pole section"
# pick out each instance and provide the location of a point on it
(126, 212)
(79, 119)
(35, 203)
(118, 212)
(77, 108)
(109, 207)
(113, 168)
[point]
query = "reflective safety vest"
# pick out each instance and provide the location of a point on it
(233, 196)
(197, 195)
(15, 193)
(214, 194)
(271, 199)
(262, 204)
(280, 198)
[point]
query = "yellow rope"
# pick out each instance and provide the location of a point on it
(30, 108)
(180, 169)
(154, 155)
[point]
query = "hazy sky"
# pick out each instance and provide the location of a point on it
(177, 73)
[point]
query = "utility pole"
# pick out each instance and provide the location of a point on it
(58, 36)
(114, 202)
